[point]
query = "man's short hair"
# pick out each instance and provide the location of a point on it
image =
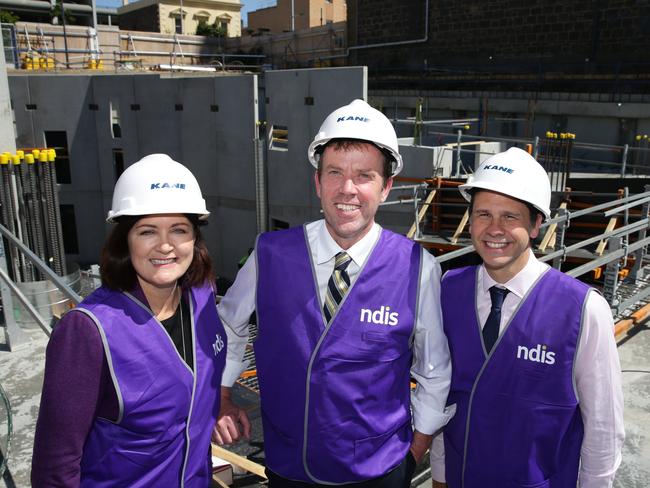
(349, 144)
(534, 212)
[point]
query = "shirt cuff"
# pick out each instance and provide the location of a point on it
(437, 458)
(431, 422)
(231, 372)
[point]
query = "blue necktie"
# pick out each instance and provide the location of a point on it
(491, 327)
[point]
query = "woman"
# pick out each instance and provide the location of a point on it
(132, 375)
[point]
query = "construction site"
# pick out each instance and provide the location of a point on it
(75, 115)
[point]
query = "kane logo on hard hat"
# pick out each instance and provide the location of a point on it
(505, 169)
(157, 186)
(353, 117)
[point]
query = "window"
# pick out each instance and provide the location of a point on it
(69, 229)
(224, 27)
(279, 138)
(118, 163)
(58, 140)
(116, 129)
(277, 224)
(178, 25)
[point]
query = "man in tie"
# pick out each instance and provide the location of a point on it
(535, 370)
(347, 313)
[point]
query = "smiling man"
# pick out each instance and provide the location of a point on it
(347, 313)
(536, 377)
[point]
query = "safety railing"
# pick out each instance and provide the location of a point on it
(627, 243)
(44, 269)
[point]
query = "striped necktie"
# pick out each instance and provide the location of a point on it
(337, 286)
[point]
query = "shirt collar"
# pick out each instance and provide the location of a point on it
(327, 248)
(521, 282)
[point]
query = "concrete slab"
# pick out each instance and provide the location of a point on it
(21, 375)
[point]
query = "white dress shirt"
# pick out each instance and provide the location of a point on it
(597, 374)
(431, 366)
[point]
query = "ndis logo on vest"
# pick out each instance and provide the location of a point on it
(218, 344)
(383, 316)
(537, 354)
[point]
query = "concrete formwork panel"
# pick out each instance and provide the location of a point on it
(300, 100)
(206, 123)
(65, 103)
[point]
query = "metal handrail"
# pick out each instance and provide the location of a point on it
(42, 266)
(26, 303)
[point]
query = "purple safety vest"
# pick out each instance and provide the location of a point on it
(518, 421)
(166, 411)
(335, 398)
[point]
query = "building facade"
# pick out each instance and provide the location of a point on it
(181, 17)
(306, 14)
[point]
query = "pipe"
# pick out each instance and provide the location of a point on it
(425, 38)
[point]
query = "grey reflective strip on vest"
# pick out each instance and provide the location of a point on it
(575, 354)
(189, 414)
(109, 361)
(480, 373)
(416, 311)
(318, 344)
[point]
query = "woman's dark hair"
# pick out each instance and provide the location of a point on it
(118, 273)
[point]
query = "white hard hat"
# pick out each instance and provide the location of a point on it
(157, 185)
(358, 120)
(514, 173)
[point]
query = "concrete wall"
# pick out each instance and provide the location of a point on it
(594, 118)
(300, 100)
(206, 123)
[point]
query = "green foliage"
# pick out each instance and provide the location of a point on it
(210, 30)
(55, 12)
(7, 17)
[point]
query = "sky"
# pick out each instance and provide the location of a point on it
(248, 5)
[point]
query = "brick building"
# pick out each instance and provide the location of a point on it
(479, 42)
(306, 14)
(174, 17)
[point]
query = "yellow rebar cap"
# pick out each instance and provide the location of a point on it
(51, 155)
(29, 158)
(42, 157)
(4, 159)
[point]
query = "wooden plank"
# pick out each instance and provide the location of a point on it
(238, 460)
(218, 481)
(603, 244)
(550, 233)
(421, 213)
(461, 226)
